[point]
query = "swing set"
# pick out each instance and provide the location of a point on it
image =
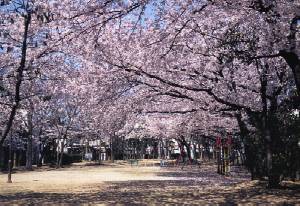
(223, 150)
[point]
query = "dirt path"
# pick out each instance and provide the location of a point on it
(127, 185)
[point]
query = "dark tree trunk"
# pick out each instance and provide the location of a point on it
(250, 160)
(41, 155)
(61, 157)
(274, 169)
(29, 137)
(188, 149)
(29, 153)
(19, 79)
(1, 157)
(159, 148)
(200, 151)
(274, 180)
(183, 142)
(57, 154)
(41, 150)
(292, 54)
(100, 142)
(266, 123)
(112, 155)
(61, 154)
(293, 61)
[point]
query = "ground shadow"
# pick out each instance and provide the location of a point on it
(159, 193)
(191, 187)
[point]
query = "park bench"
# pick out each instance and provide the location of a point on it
(133, 162)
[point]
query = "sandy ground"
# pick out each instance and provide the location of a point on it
(126, 185)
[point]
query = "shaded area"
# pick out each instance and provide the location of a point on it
(161, 193)
(207, 174)
(184, 187)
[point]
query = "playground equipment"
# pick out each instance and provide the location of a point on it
(223, 150)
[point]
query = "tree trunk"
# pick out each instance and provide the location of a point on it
(159, 148)
(188, 149)
(57, 154)
(201, 152)
(29, 153)
(194, 151)
(41, 150)
(274, 180)
(112, 157)
(291, 54)
(100, 151)
(294, 62)
(1, 157)
(41, 155)
(29, 137)
(267, 119)
(219, 161)
(14, 159)
(19, 79)
(297, 175)
(61, 154)
(184, 143)
(61, 159)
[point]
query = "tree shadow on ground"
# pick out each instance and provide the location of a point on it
(159, 193)
(187, 188)
(206, 174)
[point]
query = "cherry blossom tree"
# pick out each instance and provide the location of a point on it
(186, 54)
(204, 64)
